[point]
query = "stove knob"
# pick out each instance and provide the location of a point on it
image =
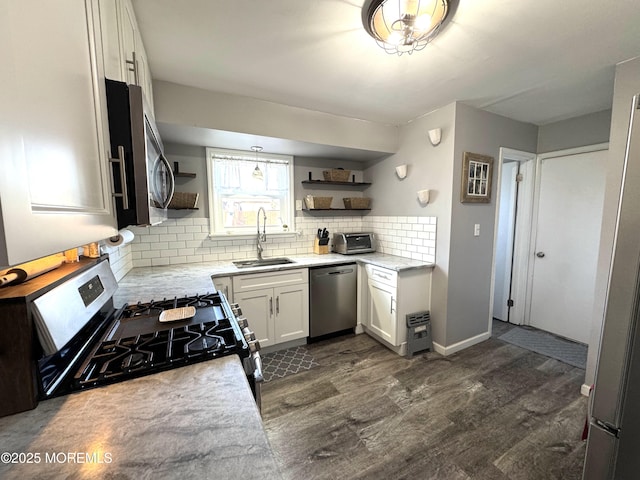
(254, 346)
(249, 335)
(235, 308)
(242, 321)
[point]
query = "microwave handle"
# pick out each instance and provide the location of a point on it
(172, 185)
(123, 178)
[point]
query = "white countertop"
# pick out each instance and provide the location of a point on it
(197, 421)
(143, 284)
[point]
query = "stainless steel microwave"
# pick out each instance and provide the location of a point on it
(142, 179)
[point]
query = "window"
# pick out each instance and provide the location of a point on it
(239, 183)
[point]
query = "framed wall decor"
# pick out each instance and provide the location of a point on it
(477, 171)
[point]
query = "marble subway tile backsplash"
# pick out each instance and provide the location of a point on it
(187, 240)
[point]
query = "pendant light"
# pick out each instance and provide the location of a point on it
(403, 26)
(257, 173)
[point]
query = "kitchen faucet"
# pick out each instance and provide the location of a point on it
(262, 237)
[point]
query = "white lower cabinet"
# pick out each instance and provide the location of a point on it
(257, 307)
(391, 296)
(275, 304)
(383, 319)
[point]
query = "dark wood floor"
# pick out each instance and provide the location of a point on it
(492, 411)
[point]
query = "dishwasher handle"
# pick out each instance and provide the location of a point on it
(341, 272)
(333, 271)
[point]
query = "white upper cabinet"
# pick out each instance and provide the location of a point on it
(55, 192)
(124, 53)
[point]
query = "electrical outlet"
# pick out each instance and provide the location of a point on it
(298, 204)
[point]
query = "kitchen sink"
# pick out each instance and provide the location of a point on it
(256, 262)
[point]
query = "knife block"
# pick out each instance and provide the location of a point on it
(319, 249)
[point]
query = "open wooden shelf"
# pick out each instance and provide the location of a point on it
(344, 184)
(177, 173)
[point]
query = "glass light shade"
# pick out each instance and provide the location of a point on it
(257, 173)
(402, 26)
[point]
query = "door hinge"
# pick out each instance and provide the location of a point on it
(510, 303)
(519, 177)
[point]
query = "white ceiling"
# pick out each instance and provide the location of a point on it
(537, 61)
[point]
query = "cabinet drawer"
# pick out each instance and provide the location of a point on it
(382, 275)
(253, 281)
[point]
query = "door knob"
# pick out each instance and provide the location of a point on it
(540, 254)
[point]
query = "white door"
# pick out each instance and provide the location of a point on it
(292, 312)
(382, 320)
(257, 307)
(570, 197)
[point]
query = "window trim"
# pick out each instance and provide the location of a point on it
(231, 234)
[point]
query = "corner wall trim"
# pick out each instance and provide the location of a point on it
(456, 347)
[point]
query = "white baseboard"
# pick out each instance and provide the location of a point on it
(585, 389)
(456, 347)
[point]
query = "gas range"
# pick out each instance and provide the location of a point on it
(87, 343)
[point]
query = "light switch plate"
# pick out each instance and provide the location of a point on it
(298, 204)
(476, 230)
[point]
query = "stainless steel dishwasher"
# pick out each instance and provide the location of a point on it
(332, 300)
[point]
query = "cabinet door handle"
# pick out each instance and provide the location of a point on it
(271, 305)
(123, 178)
(278, 305)
(381, 275)
(133, 67)
(392, 300)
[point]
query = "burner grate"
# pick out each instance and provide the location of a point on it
(129, 357)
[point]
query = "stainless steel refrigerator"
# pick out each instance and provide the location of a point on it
(613, 449)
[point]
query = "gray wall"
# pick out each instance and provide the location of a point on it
(182, 105)
(190, 159)
(575, 132)
(430, 168)
(461, 283)
(627, 84)
(470, 265)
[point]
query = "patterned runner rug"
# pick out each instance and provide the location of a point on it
(548, 344)
(286, 362)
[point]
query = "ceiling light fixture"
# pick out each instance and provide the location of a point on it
(402, 26)
(257, 173)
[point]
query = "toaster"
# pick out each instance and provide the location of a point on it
(351, 243)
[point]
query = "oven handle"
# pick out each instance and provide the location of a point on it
(257, 363)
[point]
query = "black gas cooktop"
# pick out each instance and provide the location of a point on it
(136, 343)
